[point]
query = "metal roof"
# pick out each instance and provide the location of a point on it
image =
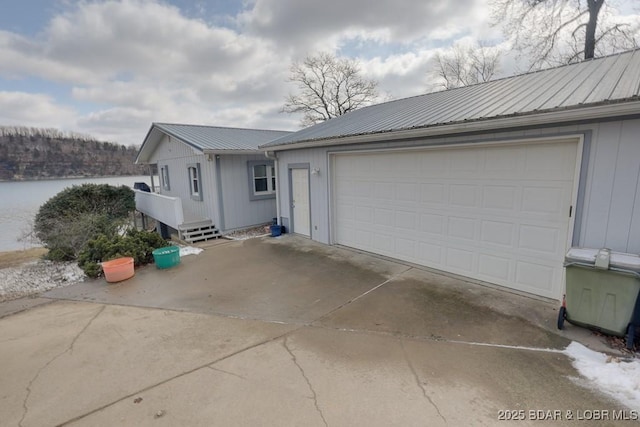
(220, 138)
(601, 81)
(207, 138)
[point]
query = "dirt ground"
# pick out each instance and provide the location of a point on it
(16, 258)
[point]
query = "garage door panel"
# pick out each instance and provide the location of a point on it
(495, 213)
(546, 161)
(432, 223)
(498, 233)
(460, 261)
(465, 160)
(462, 228)
(464, 195)
(542, 200)
(540, 239)
(429, 254)
(535, 276)
(494, 268)
(500, 197)
(433, 193)
(383, 190)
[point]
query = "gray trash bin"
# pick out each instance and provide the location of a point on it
(602, 288)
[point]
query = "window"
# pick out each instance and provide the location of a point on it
(262, 180)
(195, 185)
(164, 176)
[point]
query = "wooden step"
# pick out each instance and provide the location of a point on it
(199, 234)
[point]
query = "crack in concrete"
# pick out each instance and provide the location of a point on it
(304, 375)
(419, 383)
(190, 371)
(433, 338)
(227, 372)
(351, 301)
(69, 349)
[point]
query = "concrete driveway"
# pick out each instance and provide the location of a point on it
(286, 332)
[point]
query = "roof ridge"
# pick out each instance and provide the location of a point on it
(218, 127)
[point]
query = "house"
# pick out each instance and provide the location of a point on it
(493, 181)
(213, 180)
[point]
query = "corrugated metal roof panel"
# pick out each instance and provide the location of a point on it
(614, 78)
(629, 82)
(220, 138)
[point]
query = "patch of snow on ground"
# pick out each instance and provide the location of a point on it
(618, 378)
(36, 277)
(189, 250)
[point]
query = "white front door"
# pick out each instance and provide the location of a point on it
(300, 201)
(499, 213)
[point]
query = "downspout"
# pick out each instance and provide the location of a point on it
(272, 155)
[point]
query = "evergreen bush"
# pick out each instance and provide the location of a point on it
(136, 244)
(67, 221)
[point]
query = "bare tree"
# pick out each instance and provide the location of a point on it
(466, 65)
(328, 87)
(553, 32)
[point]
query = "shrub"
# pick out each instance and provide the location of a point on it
(78, 214)
(136, 244)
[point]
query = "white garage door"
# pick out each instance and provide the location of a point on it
(495, 213)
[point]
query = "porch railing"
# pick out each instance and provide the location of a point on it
(165, 209)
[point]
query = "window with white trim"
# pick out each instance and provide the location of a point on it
(164, 176)
(262, 180)
(195, 184)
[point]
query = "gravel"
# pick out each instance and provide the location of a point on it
(36, 277)
(248, 233)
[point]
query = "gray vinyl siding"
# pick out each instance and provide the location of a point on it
(612, 214)
(178, 156)
(318, 188)
(239, 210)
(607, 215)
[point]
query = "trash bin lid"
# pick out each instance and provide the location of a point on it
(625, 261)
(587, 255)
(619, 260)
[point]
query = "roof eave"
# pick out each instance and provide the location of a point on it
(532, 119)
(234, 152)
(145, 147)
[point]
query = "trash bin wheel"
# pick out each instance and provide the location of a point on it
(562, 315)
(631, 335)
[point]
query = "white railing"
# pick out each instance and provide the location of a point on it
(165, 209)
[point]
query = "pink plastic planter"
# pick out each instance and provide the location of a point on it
(118, 269)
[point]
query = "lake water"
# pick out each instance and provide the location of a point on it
(20, 201)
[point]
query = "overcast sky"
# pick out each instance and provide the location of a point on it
(111, 68)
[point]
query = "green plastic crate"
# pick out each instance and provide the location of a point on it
(601, 299)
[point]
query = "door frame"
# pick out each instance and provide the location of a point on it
(290, 168)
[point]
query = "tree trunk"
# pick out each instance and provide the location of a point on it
(590, 31)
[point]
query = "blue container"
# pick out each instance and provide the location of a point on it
(276, 230)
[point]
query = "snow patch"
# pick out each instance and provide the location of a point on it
(36, 277)
(189, 250)
(617, 378)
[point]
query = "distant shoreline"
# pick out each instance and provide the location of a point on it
(53, 178)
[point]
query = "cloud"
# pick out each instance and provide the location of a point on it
(124, 64)
(36, 110)
(302, 25)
